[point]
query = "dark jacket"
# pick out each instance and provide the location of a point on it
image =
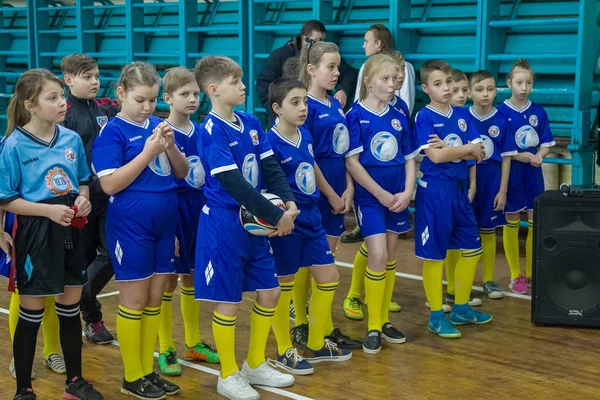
(274, 69)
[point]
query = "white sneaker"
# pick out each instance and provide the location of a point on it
(13, 371)
(236, 387)
(267, 376)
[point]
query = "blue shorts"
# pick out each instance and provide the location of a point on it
(229, 260)
(444, 219)
(526, 182)
(306, 246)
(189, 209)
(334, 171)
(489, 177)
(5, 260)
(140, 234)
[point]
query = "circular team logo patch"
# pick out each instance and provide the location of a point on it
(310, 149)
(493, 131)
(396, 125)
(533, 120)
(250, 169)
(70, 156)
(462, 125)
(341, 139)
(384, 146)
(453, 140)
(254, 137)
(195, 177)
(305, 178)
(527, 137)
(58, 182)
(488, 147)
(160, 165)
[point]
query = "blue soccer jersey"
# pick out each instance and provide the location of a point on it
(188, 145)
(495, 133)
(455, 129)
(297, 162)
(529, 126)
(327, 125)
(35, 170)
(401, 106)
(225, 146)
(122, 140)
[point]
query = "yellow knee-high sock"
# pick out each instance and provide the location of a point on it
(390, 282)
(374, 290)
(149, 334)
(320, 313)
(281, 319)
(432, 282)
(488, 258)
(224, 334)
(452, 257)
(510, 239)
(13, 315)
(357, 287)
(300, 295)
(465, 273)
(165, 329)
(129, 326)
(190, 311)
(50, 327)
(260, 325)
(529, 251)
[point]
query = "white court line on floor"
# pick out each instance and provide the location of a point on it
(107, 294)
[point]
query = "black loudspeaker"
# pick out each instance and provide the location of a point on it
(566, 260)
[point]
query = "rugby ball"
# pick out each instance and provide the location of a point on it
(255, 225)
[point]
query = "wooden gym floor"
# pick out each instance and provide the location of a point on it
(509, 358)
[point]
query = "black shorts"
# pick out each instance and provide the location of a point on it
(48, 256)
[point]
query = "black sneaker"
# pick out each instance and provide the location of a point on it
(143, 389)
(342, 341)
(391, 334)
(81, 389)
(168, 387)
(372, 342)
(26, 394)
(97, 333)
(300, 336)
(353, 237)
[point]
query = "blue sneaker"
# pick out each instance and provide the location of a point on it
(444, 329)
(292, 362)
(330, 352)
(470, 317)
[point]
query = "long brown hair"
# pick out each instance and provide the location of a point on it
(28, 88)
(311, 54)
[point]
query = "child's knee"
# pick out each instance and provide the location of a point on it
(268, 298)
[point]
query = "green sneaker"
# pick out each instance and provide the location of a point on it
(168, 363)
(201, 352)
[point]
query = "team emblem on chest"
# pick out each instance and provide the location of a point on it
(462, 125)
(305, 178)
(58, 182)
(102, 120)
(494, 131)
(70, 156)
(396, 125)
(533, 120)
(254, 137)
(384, 146)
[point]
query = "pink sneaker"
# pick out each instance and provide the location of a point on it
(519, 285)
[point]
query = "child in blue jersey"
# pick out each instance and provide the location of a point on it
(229, 261)
(181, 93)
(381, 161)
(397, 101)
(307, 245)
(326, 123)
(492, 172)
(44, 182)
(444, 217)
(530, 129)
(136, 159)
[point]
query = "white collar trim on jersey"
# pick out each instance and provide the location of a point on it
(144, 125)
(369, 109)
(393, 101)
(485, 117)
(328, 103)
(285, 139)
(231, 124)
(513, 107)
(435, 110)
(188, 133)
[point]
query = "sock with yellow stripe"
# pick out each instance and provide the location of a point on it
(129, 326)
(452, 257)
(432, 282)
(488, 258)
(300, 295)
(260, 325)
(510, 239)
(390, 282)
(190, 311)
(149, 334)
(165, 330)
(320, 313)
(529, 251)
(13, 315)
(374, 290)
(465, 274)
(224, 334)
(50, 327)
(281, 319)
(357, 287)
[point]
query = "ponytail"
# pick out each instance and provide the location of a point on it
(311, 54)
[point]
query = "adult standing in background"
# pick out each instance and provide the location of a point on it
(313, 30)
